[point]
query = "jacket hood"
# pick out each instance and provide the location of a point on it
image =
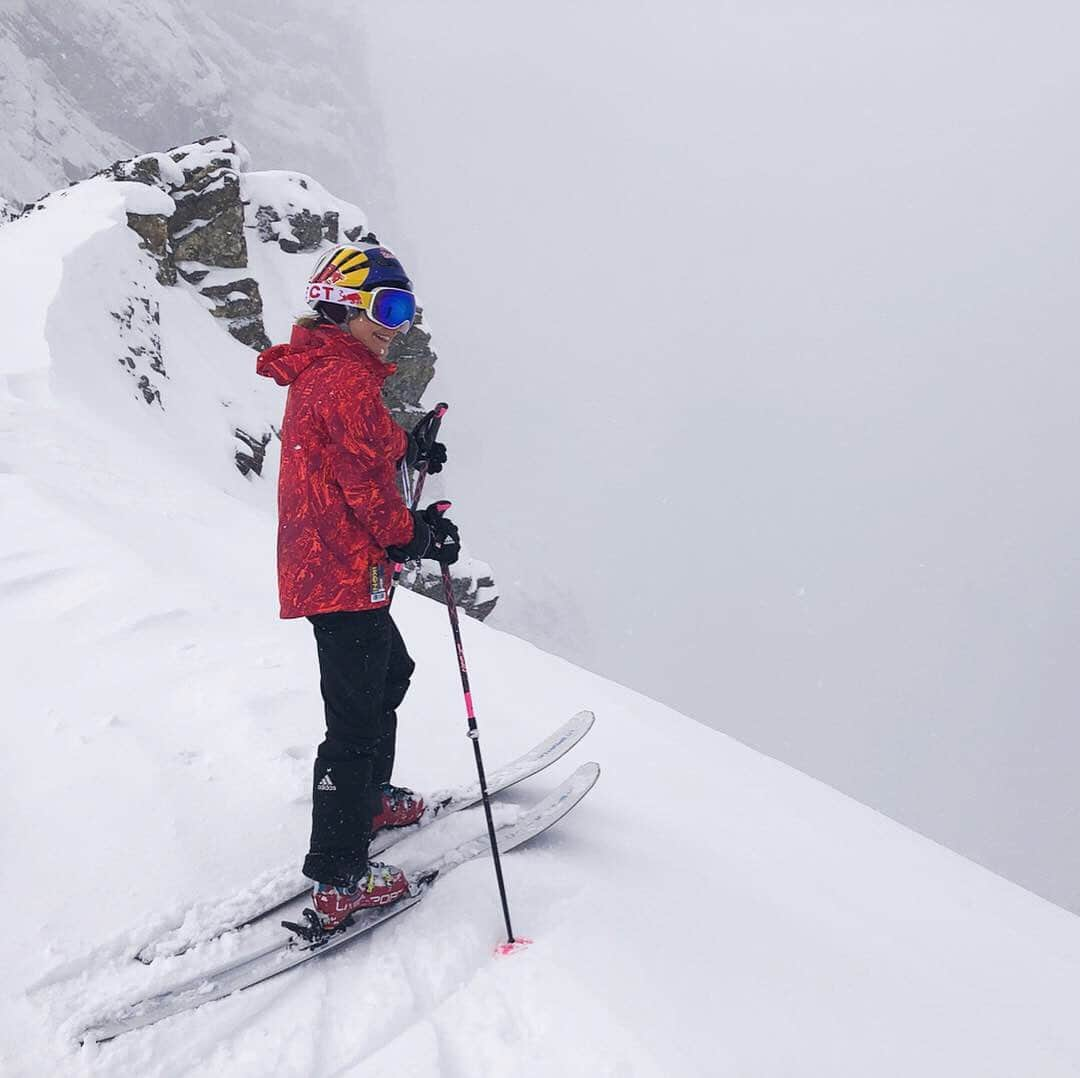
(286, 362)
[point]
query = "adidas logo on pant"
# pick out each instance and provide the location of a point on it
(326, 783)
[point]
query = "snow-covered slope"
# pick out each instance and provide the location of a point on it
(707, 911)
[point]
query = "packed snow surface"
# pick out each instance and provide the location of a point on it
(706, 910)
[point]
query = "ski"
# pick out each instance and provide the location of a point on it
(206, 921)
(290, 950)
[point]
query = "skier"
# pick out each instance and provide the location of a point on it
(342, 521)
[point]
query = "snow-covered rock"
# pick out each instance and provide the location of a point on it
(473, 582)
(193, 209)
(204, 236)
(215, 201)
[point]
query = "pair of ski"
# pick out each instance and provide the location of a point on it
(292, 948)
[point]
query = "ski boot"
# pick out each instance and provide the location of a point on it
(400, 807)
(379, 886)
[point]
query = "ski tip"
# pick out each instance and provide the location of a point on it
(512, 947)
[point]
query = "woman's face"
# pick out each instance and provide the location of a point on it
(375, 338)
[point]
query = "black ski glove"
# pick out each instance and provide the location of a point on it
(434, 537)
(423, 449)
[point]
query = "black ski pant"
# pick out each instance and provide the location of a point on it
(364, 670)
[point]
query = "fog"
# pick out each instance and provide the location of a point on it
(89, 81)
(758, 327)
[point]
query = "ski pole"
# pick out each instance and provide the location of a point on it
(426, 438)
(474, 736)
(426, 431)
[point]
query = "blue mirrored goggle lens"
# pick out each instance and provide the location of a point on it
(393, 307)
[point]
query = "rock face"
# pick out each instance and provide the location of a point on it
(140, 322)
(295, 213)
(472, 582)
(252, 459)
(206, 228)
(154, 230)
(208, 225)
(240, 305)
(203, 243)
(217, 203)
(415, 361)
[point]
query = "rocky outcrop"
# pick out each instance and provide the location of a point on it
(472, 583)
(206, 229)
(218, 206)
(295, 213)
(208, 225)
(240, 305)
(415, 361)
(250, 459)
(200, 239)
(139, 322)
(303, 231)
(153, 228)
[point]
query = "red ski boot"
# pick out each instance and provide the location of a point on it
(381, 885)
(400, 807)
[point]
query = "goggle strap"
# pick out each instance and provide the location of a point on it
(331, 293)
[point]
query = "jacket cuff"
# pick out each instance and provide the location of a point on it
(417, 546)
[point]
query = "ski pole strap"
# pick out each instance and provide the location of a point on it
(430, 424)
(427, 430)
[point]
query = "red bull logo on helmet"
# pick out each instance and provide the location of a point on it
(328, 293)
(329, 274)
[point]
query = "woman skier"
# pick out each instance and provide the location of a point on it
(342, 522)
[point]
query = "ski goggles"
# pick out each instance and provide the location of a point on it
(389, 307)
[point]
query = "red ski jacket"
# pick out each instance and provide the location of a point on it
(338, 501)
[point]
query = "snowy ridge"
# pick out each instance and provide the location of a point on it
(706, 911)
(98, 302)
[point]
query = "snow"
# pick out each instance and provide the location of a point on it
(706, 911)
(32, 252)
(293, 192)
(146, 199)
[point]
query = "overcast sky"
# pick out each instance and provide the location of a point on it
(758, 326)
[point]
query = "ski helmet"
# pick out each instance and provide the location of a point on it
(345, 270)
